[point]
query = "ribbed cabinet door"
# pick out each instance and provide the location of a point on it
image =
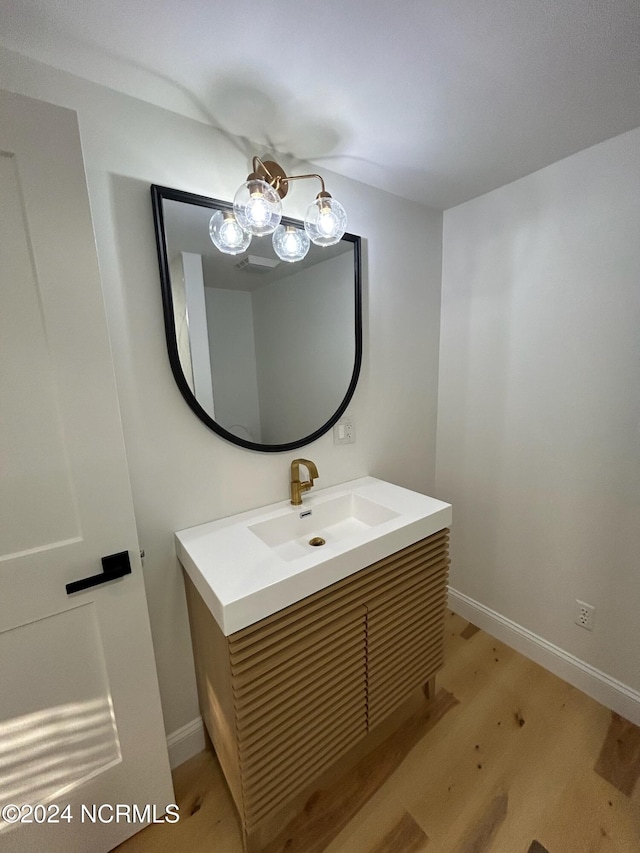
(405, 624)
(305, 684)
(300, 699)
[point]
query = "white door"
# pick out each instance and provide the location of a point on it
(80, 720)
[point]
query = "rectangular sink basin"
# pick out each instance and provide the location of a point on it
(293, 535)
(253, 564)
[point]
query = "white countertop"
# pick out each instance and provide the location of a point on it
(242, 579)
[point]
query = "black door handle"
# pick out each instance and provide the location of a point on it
(113, 566)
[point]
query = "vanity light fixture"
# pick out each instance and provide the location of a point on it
(227, 235)
(290, 244)
(257, 209)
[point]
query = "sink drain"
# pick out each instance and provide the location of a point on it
(317, 540)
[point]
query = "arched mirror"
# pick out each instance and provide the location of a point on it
(265, 352)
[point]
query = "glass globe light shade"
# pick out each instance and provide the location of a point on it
(226, 235)
(257, 207)
(326, 221)
(290, 244)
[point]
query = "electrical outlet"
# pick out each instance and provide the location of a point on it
(344, 432)
(583, 614)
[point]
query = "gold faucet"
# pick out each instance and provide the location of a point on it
(297, 487)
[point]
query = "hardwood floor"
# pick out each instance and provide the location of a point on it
(506, 758)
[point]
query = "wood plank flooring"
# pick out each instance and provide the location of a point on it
(506, 758)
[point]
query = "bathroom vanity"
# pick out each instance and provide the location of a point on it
(301, 651)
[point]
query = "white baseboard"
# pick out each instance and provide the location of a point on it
(186, 742)
(600, 686)
(189, 740)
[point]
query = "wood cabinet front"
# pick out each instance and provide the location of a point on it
(284, 698)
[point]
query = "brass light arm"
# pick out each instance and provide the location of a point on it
(302, 177)
(275, 176)
(259, 168)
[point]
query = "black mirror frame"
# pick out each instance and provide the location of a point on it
(160, 193)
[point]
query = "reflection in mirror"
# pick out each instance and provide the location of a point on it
(267, 353)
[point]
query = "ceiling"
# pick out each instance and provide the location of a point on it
(434, 100)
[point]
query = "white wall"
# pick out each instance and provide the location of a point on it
(539, 403)
(182, 473)
(233, 361)
(288, 350)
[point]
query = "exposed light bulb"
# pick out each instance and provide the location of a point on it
(258, 211)
(257, 207)
(226, 234)
(326, 221)
(290, 244)
(232, 234)
(291, 241)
